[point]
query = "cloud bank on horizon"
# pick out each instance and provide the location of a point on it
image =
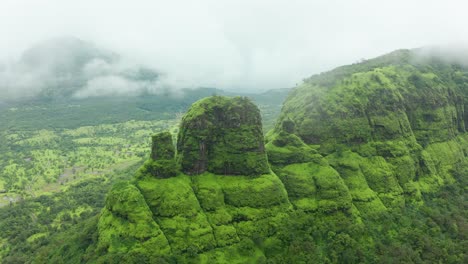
(69, 67)
(248, 45)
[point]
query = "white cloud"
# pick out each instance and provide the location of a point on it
(237, 44)
(108, 85)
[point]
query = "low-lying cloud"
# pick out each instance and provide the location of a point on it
(240, 45)
(456, 53)
(111, 85)
(69, 67)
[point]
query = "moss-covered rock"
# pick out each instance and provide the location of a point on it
(286, 148)
(162, 147)
(162, 163)
(209, 216)
(224, 136)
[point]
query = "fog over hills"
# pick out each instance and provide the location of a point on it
(244, 44)
(70, 67)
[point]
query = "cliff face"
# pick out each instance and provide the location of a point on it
(223, 136)
(351, 161)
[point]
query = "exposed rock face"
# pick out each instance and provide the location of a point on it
(162, 147)
(223, 136)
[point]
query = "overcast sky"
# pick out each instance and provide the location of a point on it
(249, 44)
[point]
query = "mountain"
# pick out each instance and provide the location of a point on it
(409, 114)
(218, 194)
(392, 136)
(367, 163)
(351, 147)
(64, 55)
(67, 67)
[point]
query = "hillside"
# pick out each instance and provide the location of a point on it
(392, 133)
(366, 164)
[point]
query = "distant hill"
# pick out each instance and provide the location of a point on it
(69, 67)
(61, 82)
(72, 112)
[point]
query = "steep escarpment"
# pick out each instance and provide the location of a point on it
(392, 129)
(222, 136)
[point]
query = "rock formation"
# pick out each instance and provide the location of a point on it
(222, 196)
(223, 136)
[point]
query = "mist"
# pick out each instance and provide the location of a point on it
(69, 67)
(233, 45)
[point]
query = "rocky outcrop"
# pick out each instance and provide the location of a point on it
(162, 163)
(223, 136)
(193, 204)
(162, 147)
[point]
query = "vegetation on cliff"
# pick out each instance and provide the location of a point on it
(392, 130)
(222, 136)
(200, 212)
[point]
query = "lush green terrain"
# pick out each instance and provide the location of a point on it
(383, 144)
(366, 164)
(70, 151)
(369, 166)
(47, 144)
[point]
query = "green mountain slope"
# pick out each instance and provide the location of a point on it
(391, 131)
(400, 126)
